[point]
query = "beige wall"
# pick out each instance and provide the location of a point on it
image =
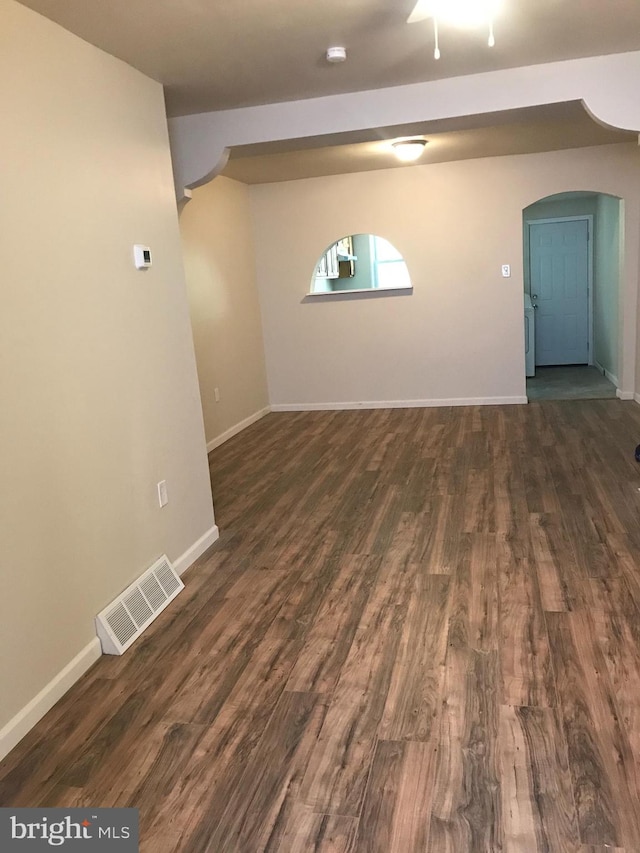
(97, 374)
(460, 334)
(221, 282)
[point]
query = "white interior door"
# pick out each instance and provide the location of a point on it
(559, 265)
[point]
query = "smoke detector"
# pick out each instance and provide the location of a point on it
(336, 54)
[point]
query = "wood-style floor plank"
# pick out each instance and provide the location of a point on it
(525, 661)
(413, 702)
(559, 578)
(466, 801)
(616, 621)
(260, 807)
(396, 809)
(321, 833)
(218, 760)
(600, 758)
(537, 800)
(330, 635)
(340, 761)
(418, 633)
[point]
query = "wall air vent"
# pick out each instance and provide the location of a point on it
(122, 622)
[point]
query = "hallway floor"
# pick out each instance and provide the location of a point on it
(418, 633)
(572, 382)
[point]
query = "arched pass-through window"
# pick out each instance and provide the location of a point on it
(360, 263)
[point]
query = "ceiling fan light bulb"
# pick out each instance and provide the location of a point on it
(466, 13)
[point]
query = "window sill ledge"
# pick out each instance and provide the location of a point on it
(360, 290)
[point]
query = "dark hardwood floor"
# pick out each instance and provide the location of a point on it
(418, 633)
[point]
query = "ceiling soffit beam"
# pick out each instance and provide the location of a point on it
(606, 85)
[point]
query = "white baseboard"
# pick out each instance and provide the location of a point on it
(625, 395)
(636, 397)
(607, 373)
(234, 430)
(189, 557)
(399, 404)
(32, 713)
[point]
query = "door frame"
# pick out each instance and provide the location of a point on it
(588, 218)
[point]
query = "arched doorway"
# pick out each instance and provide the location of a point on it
(572, 274)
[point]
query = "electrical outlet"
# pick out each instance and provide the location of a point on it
(163, 496)
(506, 271)
(216, 395)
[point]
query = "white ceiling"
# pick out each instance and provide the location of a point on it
(221, 54)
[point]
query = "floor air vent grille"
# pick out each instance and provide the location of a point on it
(122, 622)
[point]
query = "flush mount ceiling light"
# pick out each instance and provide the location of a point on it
(466, 14)
(408, 149)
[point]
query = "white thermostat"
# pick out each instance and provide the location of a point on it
(142, 257)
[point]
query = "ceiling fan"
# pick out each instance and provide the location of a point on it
(457, 13)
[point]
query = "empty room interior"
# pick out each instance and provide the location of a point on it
(320, 381)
